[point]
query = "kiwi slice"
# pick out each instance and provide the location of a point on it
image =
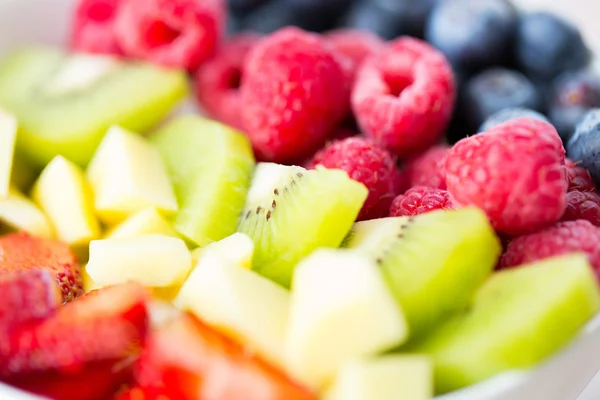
(211, 167)
(65, 103)
(290, 212)
(433, 262)
(516, 319)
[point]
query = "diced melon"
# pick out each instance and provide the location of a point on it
(341, 309)
(21, 214)
(8, 135)
(128, 175)
(152, 260)
(88, 282)
(237, 249)
(390, 377)
(146, 222)
(63, 194)
(239, 302)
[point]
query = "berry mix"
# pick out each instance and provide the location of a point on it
(375, 199)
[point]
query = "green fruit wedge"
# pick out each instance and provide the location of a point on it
(66, 103)
(433, 263)
(211, 167)
(290, 212)
(516, 319)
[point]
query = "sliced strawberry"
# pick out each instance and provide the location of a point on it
(22, 252)
(188, 361)
(27, 296)
(85, 351)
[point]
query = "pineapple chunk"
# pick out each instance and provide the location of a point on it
(238, 301)
(145, 222)
(389, 377)
(151, 260)
(341, 309)
(63, 194)
(237, 249)
(8, 135)
(21, 214)
(128, 175)
(88, 282)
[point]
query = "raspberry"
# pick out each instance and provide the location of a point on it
(562, 238)
(427, 169)
(368, 164)
(514, 172)
(173, 33)
(419, 200)
(218, 80)
(583, 205)
(92, 29)
(293, 95)
(579, 177)
(354, 46)
(403, 97)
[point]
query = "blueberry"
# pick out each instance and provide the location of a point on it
(240, 7)
(547, 46)
(367, 15)
(508, 114)
(410, 15)
(473, 33)
(573, 94)
(584, 146)
(496, 89)
(277, 14)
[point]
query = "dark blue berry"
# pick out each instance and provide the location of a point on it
(410, 15)
(573, 95)
(547, 46)
(240, 7)
(584, 147)
(368, 15)
(473, 33)
(496, 89)
(277, 14)
(508, 114)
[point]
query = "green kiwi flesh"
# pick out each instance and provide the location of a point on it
(433, 262)
(65, 103)
(516, 319)
(210, 166)
(291, 211)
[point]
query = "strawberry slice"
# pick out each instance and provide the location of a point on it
(22, 252)
(27, 296)
(187, 360)
(85, 351)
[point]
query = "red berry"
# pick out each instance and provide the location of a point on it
(419, 200)
(427, 169)
(403, 97)
(583, 205)
(514, 172)
(92, 29)
(354, 46)
(173, 33)
(293, 95)
(562, 238)
(579, 177)
(218, 80)
(368, 164)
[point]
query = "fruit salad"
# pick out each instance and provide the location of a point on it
(369, 200)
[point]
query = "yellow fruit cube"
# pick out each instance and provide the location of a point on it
(390, 377)
(8, 135)
(128, 175)
(21, 214)
(341, 309)
(237, 249)
(63, 194)
(238, 301)
(145, 222)
(151, 260)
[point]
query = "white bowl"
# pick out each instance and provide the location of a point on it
(563, 377)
